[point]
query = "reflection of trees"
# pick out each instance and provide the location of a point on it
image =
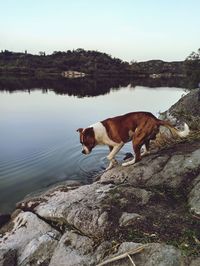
(75, 87)
(83, 87)
(179, 82)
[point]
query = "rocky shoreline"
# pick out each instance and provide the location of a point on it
(152, 208)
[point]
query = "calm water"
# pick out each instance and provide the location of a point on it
(39, 145)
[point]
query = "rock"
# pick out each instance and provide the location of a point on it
(8, 257)
(187, 109)
(4, 218)
(194, 197)
(137, 174)
(27, 234)
(78, 250)
(71, 183)
(129, 218)
(38, 195)
(170, 167)
(80, 208)
(153, 254)
(73, 249)
(176, 170)
(38, 251)
(102, 249)
(195, 262)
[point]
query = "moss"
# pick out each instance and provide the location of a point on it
(166, 218)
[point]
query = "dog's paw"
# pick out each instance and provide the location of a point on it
(129, 163)
(125, 164)
(109, 157)
(114, 162)
(108, 168)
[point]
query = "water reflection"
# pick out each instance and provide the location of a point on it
(86, 86)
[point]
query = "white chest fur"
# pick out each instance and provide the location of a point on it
(101, 135)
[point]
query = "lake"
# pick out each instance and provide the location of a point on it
(39, 145)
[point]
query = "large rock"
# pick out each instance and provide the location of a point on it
(73, 250)
(187, 109)
(129, 218)
(80, 208)
(195, 262)
(29, 236)
(39, 250)
(194, 196)
(152, 254)
(170, 167)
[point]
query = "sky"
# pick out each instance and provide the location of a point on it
(136, 30)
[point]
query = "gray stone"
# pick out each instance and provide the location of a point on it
(71, 183)
(176, 170)
(194, 197)
(129, 218)
(136, 174)
(38, 251)
(81, 208)
(187, 109)
(154, 254)
(27, 233)
(159, 169)
(73, 250)
(101, 250)
(195, 262)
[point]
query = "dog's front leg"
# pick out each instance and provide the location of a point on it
(111, 164)
(111, 155)
(114, 151)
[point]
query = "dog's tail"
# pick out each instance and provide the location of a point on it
(175, 132)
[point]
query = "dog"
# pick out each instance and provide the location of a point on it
(138, 127)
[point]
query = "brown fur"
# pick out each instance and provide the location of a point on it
(144, 126)
(138, 127)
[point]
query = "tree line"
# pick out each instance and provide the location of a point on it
(96, 64)
(89, 62)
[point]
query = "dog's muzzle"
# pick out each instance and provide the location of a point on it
(85, 150)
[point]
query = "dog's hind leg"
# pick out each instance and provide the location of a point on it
(137, 141)
(145, 149)
(129, 162)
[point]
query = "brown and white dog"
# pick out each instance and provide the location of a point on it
(140, 127)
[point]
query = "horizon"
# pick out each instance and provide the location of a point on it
(49, 54)
(129, 30)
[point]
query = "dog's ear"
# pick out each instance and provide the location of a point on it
(79, 130)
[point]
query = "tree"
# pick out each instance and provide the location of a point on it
(42, 53)
(194, 56)
(192, 68)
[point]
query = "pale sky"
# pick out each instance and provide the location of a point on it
(127, 29)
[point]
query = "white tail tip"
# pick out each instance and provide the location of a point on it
(185, 132)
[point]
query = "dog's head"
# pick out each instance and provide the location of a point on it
(87, 139)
